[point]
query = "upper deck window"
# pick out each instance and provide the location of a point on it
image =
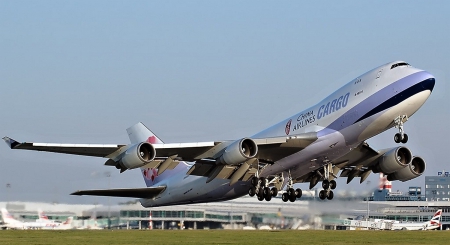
(399, 64)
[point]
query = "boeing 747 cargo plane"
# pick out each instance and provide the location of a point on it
(312, 146)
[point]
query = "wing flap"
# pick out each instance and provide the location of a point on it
(149, 192)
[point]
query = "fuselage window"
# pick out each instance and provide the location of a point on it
(399, 64)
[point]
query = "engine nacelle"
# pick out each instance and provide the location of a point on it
(393, 160)
(239, 152)
(138, 155)
(413, 170)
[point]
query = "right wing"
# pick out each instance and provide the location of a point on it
(149, 192)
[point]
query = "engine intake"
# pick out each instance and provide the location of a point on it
(393, 160)
(138, 155)
(239, 152)
(413, 170)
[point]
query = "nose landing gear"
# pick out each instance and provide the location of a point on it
(401, 136)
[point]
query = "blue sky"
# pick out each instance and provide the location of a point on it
(84, 71)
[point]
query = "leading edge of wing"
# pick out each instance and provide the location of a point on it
(97, 150)
(148, 192)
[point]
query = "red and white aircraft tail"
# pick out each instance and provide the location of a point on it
(435, 222)
(10, 221)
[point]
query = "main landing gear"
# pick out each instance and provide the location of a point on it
(260, 188)
(401, 136)
(290, 194)
(327, 184)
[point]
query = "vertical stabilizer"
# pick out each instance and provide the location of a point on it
(140, 133)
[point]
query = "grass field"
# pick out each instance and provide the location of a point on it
(159, 237)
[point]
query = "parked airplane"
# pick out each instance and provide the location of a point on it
(433, 223)
(311, 146)
(41, 224)
(10, 222)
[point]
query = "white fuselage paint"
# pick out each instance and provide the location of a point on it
(334, 119)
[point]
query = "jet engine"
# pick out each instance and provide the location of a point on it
(393, 160)
(239, 152)
(413, 170)
(137, 156)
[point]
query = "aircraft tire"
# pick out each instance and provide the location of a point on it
(274, 192)
(267, 192)
(261, 192)
(405, 138)
(325, 184)
(268, 198)
(397, 138)
(333, 184)
(298, 193)
(330, 195)
(285, 197)
(260, 198)
(252, 191)
(263, 181)
(254, 181)
(322, 195)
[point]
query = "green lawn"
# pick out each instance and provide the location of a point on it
(159, 237)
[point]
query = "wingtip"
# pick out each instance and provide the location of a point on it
(10, 142)
(76, 193)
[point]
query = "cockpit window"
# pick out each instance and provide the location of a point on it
(399, 64)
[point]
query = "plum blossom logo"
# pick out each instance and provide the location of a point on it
(288, 127)
(150, 173)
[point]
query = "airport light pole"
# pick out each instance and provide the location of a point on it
(8, 187)
(108, 175)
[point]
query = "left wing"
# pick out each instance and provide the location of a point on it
(149, 192)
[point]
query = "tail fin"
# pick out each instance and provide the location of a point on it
(7, 217)
(436, 220)
(140, 133)
(42, 216)
(68, 221)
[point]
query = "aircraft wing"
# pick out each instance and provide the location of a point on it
(96, 150)
(270, 149)
(149, 192)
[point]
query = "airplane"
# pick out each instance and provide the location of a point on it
(311, 146)
(10, 222)
(433, 223)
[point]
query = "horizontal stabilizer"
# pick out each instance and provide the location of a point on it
(149, 192)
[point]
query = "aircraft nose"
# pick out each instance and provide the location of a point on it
(429, 84)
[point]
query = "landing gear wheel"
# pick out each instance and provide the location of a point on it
(333, 184)
(290, 192)
(285, 197)
(252, 191)
(298, 193)
(397, 138)
(263, 181)
(330, 195)
(322, 194)
(268, 197)
(405, 138)
(260, 198)
(325, 184)
(261, 192)
(292, 198)
(274, 191)
(266, 192)
(254, 181)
